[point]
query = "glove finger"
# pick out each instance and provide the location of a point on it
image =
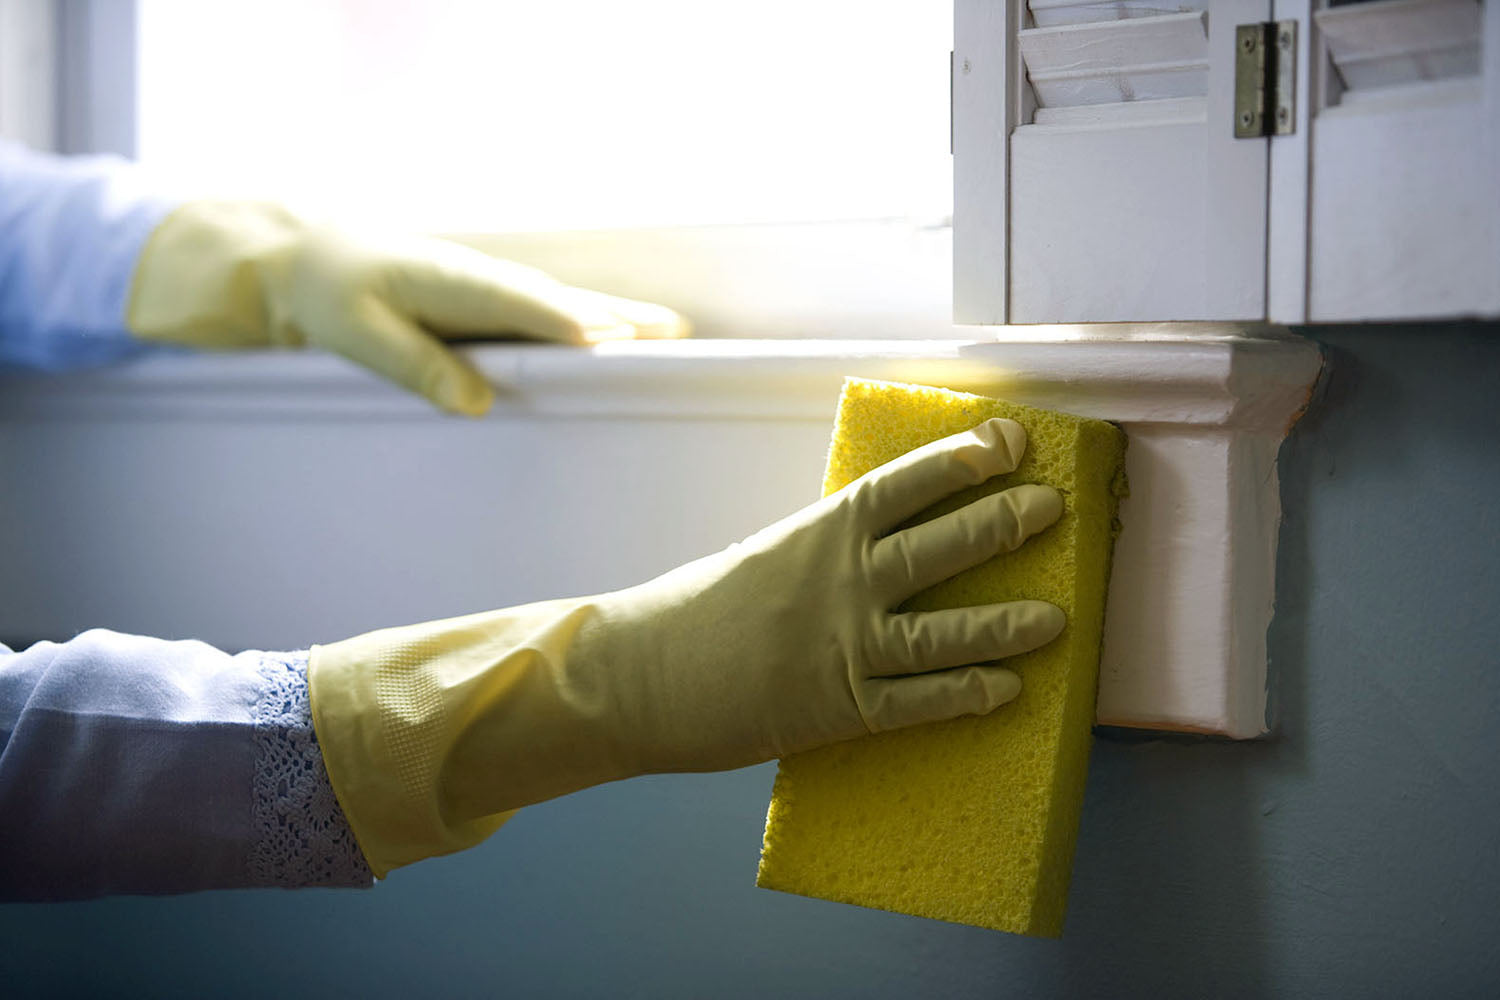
(648, 320)
(908, 485)
(456, 291)
(928, 553)
(386, 342)
(911, 701)
(921, 641)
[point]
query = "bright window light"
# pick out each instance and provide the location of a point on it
(564, 114)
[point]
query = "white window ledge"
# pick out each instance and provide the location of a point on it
(1205, 407)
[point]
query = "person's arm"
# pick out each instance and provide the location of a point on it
(133, 765)
(792, 639)
(92, 270)
(136, 765)
(71, 230)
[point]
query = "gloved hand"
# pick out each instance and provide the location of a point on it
(781, 643)
(243, 274)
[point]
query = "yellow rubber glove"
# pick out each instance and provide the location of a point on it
(783, 642)
(243, 274)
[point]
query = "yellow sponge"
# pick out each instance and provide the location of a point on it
(972, 820)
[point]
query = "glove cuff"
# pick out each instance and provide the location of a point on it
(201, 278)
(434, 734)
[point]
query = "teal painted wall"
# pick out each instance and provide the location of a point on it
(1356, 852)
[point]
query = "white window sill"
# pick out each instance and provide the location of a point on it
(1205, 408)
(1190, 374)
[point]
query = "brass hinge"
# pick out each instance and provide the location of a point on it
(1265, 79)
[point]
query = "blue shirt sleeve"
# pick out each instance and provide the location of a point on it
(71, 229)
(136, 765)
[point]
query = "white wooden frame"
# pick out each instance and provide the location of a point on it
(1403, 167)
(97, 97)
(1105, 208)
(987, 84)
(67, 75)
(1288, 197)
(1192, 590)
(1395, 191)
(28, 72)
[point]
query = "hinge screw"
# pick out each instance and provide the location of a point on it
(1248, 43)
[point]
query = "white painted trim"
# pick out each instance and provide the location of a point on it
(987, 80)
(1287, 178)
(28, 72)
(96, 52)
(1236, 210)
(1205, 407)
(67, 74)
(1405, 157)
(1182, 374)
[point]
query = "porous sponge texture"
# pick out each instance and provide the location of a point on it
(972, 820)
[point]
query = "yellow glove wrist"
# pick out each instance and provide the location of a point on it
(202, 279)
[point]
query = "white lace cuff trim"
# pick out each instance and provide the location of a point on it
(300, 835)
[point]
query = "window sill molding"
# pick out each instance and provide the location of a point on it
(1186, 374)
(1205, 407)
